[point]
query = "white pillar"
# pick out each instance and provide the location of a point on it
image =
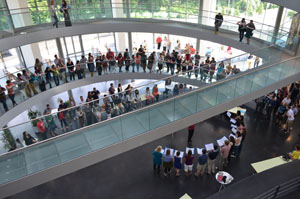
(117, 8)
(31, 51)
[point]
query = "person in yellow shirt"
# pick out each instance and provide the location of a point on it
(296, 153)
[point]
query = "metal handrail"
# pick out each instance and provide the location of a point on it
(222, 81)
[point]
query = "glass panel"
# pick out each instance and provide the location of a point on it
(41, 157)
(207, 98)
(109, 133)
(72, 146)
(185, 106)
(162, 114)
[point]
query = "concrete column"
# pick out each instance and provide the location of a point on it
(210, 5)
(130, 43)
(200, 13)
(197, 45)
(59, 48)
(118, 13)
(277, 23)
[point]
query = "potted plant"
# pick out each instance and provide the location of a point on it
(8, 139)
(33, 114)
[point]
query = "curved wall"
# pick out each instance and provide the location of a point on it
(290, 4)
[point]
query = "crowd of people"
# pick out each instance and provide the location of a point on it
(58, 71)
(93, 108)
(208, 159)
(281, 105)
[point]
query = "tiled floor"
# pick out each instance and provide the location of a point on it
(130, 175)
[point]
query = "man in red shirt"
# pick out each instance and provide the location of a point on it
(42, 129)
(158, 41)
(191, 133)
(110, 56)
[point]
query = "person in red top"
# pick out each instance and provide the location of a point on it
(158, 41)
(110, 56)
(42, 129)
(10, 91)
(191, 133)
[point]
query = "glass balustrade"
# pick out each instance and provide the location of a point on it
(113, 130)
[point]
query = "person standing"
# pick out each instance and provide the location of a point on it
(99, 64)
(158, 41)
(249, 29)
(211, 162)
(290, 119)
(191, 133)
(10, 91)
(177, 163)
(42, 129)
(242, 28)
(188, 164)
(3, 98)
(83, 62)
(202, 162)
(91, 65)
(167, 162)
(70, 66)
(53, 13)
(218, 22)
(225, 149)
(157, 155)
(65, 10)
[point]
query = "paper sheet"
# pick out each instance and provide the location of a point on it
(162, 151)
(228, 114)
(171, 150)
(199, 151)
(209, 147)
(187, 150)
(233, 121)
(232, 136)
(221, 141)
(233, 130)
(181, 153)
(185, 196)
(233, 126)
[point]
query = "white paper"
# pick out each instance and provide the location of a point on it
(233, 126)
(199, 151)
(162, 151)
(222, 141)
(181, 153)
(232, 136)
(209, 147)
(187, 150)
(228, 114)
(233, 121)
(234, 130)
(171, 151)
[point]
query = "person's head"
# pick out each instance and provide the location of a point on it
(231, 138)
(147, 89)
(18, 140)
(24, 72)
(219, 13)
(126, 49)
(243, 19)
(190, 153)
(61, 102)
(25, 134)
(177, 153)
(81, 98)
(215, 147)
(55, 56)
(226, 142)
(8, 81)
(64, 2)
(136, 91)
(238, 113)
(158, 149)
(251, 21)
(203, 151)
(19, 75)
(37, 60)
(111, 85)
(238, 134)
(168, 152)
(48, 106)
(297, 147)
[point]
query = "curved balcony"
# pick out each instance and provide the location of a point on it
(83, 14)
(291, 4)
(69, 152)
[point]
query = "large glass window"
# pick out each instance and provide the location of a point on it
(48, 49)
(144, 39)
(93, 43)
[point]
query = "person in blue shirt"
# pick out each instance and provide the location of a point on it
(202, 162)
(157, 155)
(177, 163)
(220, 71)
(211, 162)
(167, 162)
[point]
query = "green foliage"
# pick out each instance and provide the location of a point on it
(8, 139)
(33, 115)
(291, 14)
